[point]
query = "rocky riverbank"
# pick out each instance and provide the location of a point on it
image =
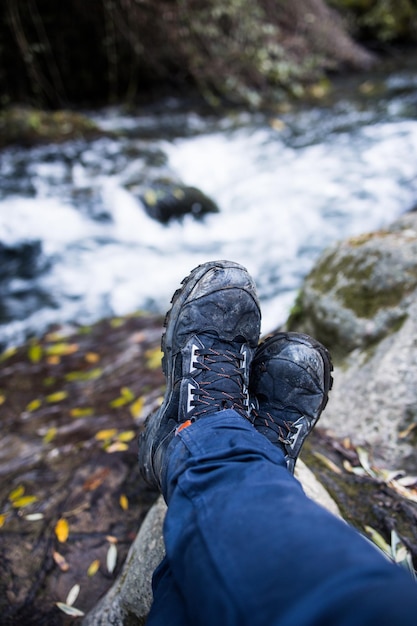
(74, 401)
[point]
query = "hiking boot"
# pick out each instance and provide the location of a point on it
(289, 386)
(212, 331)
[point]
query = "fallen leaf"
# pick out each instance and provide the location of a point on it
(137, 407)
(359, 471)
(328, 463)
(83, 376)
(69, 610)
(34, 517)
(111, 539)
(108, 433)
(404, 433)
(16, 493)
(8, 353)
(153, 358)
(117, 446)
(60, 561)
(72, 595)
(21, 503)
(93, 568)
(111, 559)
(96, 479)
(81, 412)
(62, 349)
(35, 353)
(116, 322)
(3, 518)
(62, 530)
(2, 399)
(124, 502)
(126, 396)
(92, 357)
(34, 405)
(378, 540)
(126, 435)
(50, 435)
(363, 456)
(58, 396)
(54, 359)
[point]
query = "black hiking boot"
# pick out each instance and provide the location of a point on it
(212, 331)
(289, 385)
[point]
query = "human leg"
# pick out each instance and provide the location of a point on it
(170, 609)
(244, 545)
(248, 547)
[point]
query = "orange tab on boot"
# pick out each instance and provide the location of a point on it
(184, 425)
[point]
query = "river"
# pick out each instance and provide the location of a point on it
(78, 245)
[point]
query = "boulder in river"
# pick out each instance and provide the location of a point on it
(165, 201)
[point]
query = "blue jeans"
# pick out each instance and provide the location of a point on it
(245, 546)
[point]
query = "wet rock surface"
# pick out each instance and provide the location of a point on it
(72, 405)
(73, 402)
(360, 300)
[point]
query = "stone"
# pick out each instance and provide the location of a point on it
(360, 300)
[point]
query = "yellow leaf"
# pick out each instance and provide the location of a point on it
(35, 353)
(117, 446)
(7, 354)
(93, 568)
(378, 539)
(61, 349)
(102, 435)
(116, 322)
(58, 396)
(34, 405)
(136, 407)
(20, 503)
(81, 412)
(153, 358)
(16, 493)
(50, 434)
(89, 375)
(3, 518)
(126, 396)
(2, 399)
(328, 462)
(126, 435)
(92, 357)
(54, 336)
(124, 502)
(62, 530)
(117, 402)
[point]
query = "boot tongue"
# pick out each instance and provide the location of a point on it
(216, 370)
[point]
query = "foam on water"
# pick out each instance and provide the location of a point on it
(282, 201)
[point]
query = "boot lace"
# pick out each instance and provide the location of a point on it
(220, 375)
(280, 429)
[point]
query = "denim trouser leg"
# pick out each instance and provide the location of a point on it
(169, 609)
(246, 546)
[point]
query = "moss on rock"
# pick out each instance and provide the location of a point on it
(27, 126)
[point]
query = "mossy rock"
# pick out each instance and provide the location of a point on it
(360, 289)
(26, 126)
